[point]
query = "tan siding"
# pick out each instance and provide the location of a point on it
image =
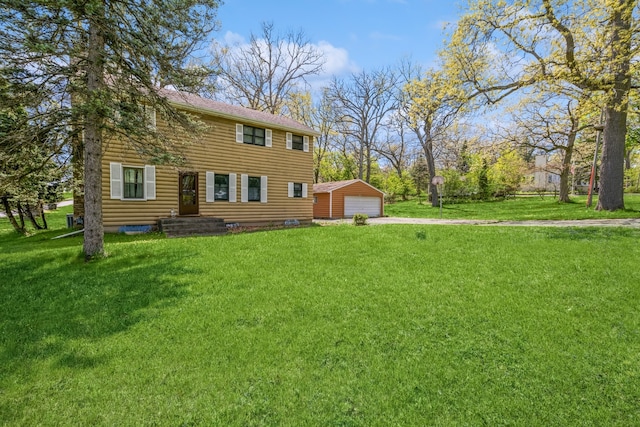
(218, 152)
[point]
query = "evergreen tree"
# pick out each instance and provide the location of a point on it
(101, 65)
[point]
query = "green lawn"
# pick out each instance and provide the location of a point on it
(518, 209)
(328, 326)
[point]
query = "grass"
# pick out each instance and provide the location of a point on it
(349, 326)
(518, 209)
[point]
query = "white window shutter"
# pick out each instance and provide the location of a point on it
(232, 187)
(210, 187)
(304, 190)
(263, 189)
(305, 144)
(290, 189)
(244, 188)
(150, 182)
(239, 133)
(289, 140)
(115, 178)
(268, 139)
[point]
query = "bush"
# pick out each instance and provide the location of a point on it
(360, 219)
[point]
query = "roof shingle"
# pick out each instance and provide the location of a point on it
(221, 109)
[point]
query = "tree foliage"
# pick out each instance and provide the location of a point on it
(500, 47)
(102, 65)
(31, 154)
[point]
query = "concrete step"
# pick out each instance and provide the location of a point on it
(192, 226)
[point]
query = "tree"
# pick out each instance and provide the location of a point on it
(500, 47)
(111, 59)
(397, 146)
(363, 102)
(507, 172)
(31, 153)
(550, 121)
(431, 106)
(263, 74)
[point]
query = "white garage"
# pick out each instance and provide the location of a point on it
(363, 205)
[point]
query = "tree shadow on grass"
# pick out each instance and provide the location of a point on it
(52, 301)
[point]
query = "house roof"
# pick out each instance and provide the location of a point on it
(234, 112)
(328, 187)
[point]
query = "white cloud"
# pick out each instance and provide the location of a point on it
(337, 64)
(337, 59)
(231, 39)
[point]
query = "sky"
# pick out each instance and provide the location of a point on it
(355, 35)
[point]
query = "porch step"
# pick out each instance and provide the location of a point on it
(192, 226)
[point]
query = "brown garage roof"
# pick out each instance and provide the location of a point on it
(328, 187)
(247, 115)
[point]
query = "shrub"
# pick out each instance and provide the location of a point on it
(360, 219)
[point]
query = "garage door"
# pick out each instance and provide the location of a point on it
(365, 205)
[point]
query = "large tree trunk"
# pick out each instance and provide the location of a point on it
(93, 228)
(611, 195)
(566, 169)
(431, 168)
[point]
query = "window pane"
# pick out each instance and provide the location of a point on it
(133, 183)
(252, 135)
(297, 142)
(297, 189)
(254, 189)
(221, 187)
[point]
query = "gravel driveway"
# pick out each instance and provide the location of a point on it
(626, 222)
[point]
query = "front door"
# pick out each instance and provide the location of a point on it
(188, 204)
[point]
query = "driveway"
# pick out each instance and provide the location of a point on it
(626, 222)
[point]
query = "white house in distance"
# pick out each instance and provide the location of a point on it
(544, 176)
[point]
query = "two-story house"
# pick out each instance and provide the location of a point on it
(250, 167)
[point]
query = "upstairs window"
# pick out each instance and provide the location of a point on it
(297, 143)
(253, 135)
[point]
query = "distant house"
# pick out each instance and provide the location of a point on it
(343, 199)
(543, 176)
(250, 167)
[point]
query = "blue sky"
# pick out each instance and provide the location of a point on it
(354, 34)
